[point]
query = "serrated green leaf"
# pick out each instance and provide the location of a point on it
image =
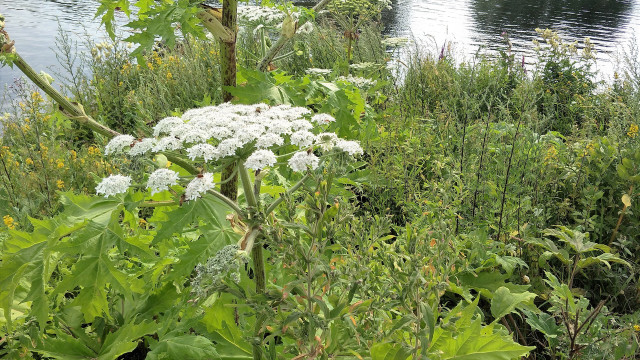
(65, 347)
(389, 351)
(230, 340)
(183, 347)
(504, 302)
(124, 340)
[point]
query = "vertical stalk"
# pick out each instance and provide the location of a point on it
(506, 180)
(229, 69)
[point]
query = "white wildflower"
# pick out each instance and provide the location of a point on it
(268, 140)
(161, 179)
(118, 143)
(229, 146)
(194, 136)
(279, 126)
(322, 119)
(350, 147)
(198, 186)
(301, 125)
(219, 132)
(302, 138)
(113, 185)
(319, 72)
(260, 159)
(205, 151)
(167, 143)
(142, 147)
(250, 133)
(302, 160)
(165, 125)
(326, 140)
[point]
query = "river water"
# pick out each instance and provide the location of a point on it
(465, 24)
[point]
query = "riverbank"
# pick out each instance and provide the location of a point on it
(469, 207)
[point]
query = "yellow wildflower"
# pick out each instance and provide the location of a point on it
(169, 75)
(633, 131)
(60, 184)
(74, 155)
(59, 163)
(8, 220)
(93, 150)
(150, 66)
(636, 327)
(28, 161)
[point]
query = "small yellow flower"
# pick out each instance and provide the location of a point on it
(636, 327)
(150, 66)
(9, 222)
(633, 131)
(74, 155)
(60, 184)
(93, 150)
(169, 75)
(28, 161)
(60, 163)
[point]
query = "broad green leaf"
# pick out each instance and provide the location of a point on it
(389, 351)
(230, 339)
(474, 342)
(66, 347)
(95, 270)
(207, 208)
(544, 323)
(604, 258)
(504, 302)
(183, 347)
(124, 340)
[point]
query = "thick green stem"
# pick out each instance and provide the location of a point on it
(247, 186)
(76, 112)
(232, 204)
(260, 279)
(290, 191)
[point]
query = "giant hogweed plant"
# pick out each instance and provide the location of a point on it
(161, 261)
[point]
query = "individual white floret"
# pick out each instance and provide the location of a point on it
(195, 136)
(219, 132)
(302, 138)
(165, 125)
(260, 159)
(113, 185)
(142, 147)
(249, 133)
(228, 147)
(167, 143)
(118, 143)
(301, 124)
(161, 179)
(350, 147)
(205, 151)
(326, 140)
(268, 140)
(323, 119)
(198, 186)
(279, 126)
(303, 160)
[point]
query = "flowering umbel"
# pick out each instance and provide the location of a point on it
(209, 135)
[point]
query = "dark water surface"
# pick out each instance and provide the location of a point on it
(466, 24)
(472, 24)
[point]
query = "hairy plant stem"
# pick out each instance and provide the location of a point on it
(76, 112)
(295, 187)
(229, 70)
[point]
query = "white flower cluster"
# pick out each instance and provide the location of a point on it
(250, 132)
(318, 71)
(254, 15)
(114, 184)
(359, 82)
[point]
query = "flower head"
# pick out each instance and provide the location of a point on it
(142, 147)
(161, 179)
(260, 159)
(118, 143)
(113, 185)
(303, 160)
(198, 186)
(323, 119)
(350, 147)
